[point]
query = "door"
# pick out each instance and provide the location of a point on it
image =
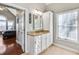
(20, 29)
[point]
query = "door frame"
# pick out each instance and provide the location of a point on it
(14, 6)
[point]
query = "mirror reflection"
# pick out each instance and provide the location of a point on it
(35, 20)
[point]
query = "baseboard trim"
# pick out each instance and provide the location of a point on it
(18, 42)
(26, 53)
(45, 49)
(67, 48)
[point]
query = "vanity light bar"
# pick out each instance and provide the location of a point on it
(36, 12)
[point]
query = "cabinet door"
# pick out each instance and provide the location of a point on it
(46, 21)
(30, 44)
(49, 42)
(37, 44)
(44, 40)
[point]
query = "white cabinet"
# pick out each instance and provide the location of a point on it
(34, 44)
(37, 47)
(44, 41)
(30, 43)
(48, 25)
(49, 40)
(46, 21)
(37, 44)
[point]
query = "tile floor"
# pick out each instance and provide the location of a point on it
(55, 50)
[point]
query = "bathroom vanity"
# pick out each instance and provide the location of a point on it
(40, 38)
(38, 41)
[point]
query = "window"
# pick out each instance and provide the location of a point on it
(6, 24)
(2, 23)
(10, 25)
(67, 25)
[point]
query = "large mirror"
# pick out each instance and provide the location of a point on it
(37, 22)
(35, 19)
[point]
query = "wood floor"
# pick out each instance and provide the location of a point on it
(55, 50)
(12, 48)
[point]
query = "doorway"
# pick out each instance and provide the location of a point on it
(12, 29)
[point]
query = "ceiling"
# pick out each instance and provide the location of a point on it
(56, 7)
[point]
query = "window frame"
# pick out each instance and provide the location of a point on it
(6, 23)
(4, 19)
(57, 26)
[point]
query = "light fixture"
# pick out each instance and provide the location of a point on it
(36, 12)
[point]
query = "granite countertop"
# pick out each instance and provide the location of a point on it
(38, 32)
